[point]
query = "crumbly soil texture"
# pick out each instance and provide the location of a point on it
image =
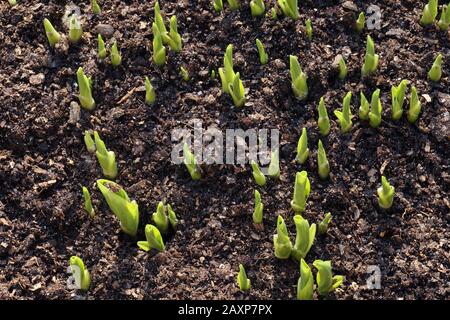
(44, 163)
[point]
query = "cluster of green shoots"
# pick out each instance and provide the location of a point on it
(289, 8)
(106, 158)
(231, 80)
(115, 56)
(430, 13)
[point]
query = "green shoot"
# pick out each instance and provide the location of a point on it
(309, 30)
(345, 116)
(326, 282)
(159, 51)
(116, 58)
(191, 163)
(160, 24)
(263, 57)
(274, 166)
(289, 8)
(370, 59)
(160, 218)
(375, 110)
(259, 177)
(414, 106)
(435, 72)
(364, 108)
(343, 71)
(237, 91)
(304, 238)
(302, 189)
(153, 239)
(213, 74)
(95, 7)
(90, 144)
(274, 14)
(227, 73)
(88, 203)
(81, 274)
(107, 159)
(243, 281)
(398, 97)
(281, 242)
(257, 7)
(173, 220)
(324, 120)
(12, 2)
(302, 147)
(305, 284)
(75, 30)
(444, 21)
(322, 162)
(101, 48)
(218, 5)
(234, 4)
(184, 74)
(323, 225)
(175, 41)
(258, 211)
(385, 194)
(298, 78)
(150, 94)
(429, 13)
(359, 25)
(85, 85)
(53, 36)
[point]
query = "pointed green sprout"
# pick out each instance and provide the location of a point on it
(345, 116)
(324, 120)
(298, 78)
(322, 162)
(302, 189)
(414, 106)
(213, 74)
(444, 21)
(323, 225)
(80, 273)
(435, 72)
(375, 110)
(243, 281)
(153, 239)
(237, 91)
(191, 163)
(304, 238)
(259, 177)
(259, 207)
(85, 85)
(184, 74)
(90, 144)
(385, 194)
(101, 48)
(175, 42)
(371, 59)
(88, 203)
(326, 282)
(302, 147)
(257, 7)
(305, 284)
(274, 14)
(309, 30)
(274, 166)
(429, 13)
(53, 36)
(289, 8)
(234, 4)
(159, 51)
(173, 220)
(281, 241)
(227, 73)
(364, 108)
(107, 159)
(95, 7)
(218, 5)
(343, 71)
(116, 58)
(126, 211)
(75, 29)
(398, 97)
(160, 218)
(160, 24)
(12, 2)
(150, 94)
(359, 25)
(263, 57)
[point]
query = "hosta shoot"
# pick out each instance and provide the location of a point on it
(343, 71)
(160, 218)
(323, 225)
(305, 284)
(298, 79)
(281, 241)
(53, 36)
(289, 8)
(89, 142)
(237, 91)
(258, 211)
(364, 108)
(257, 7)
(227, 73)
(324, 120)
(101, 48)
(274, 166)
(95, 7)
(309, 30)
(302, 189)
(259, 177)
(153, 239)
(159, 51)
(414, 106)
(435, 72)
(323, 165)
(234, 4)
(370, 59)
(326, 282)
(302, 148)
(243, 281)
(88, 203)
(75, 29)
(304, 238)
(175, 41)
(429, 13)
(80, 273)
(274, 14)
(184, 74)
(398, 97)
(116, 58)
(150, 94)
(126, 210)
(191, 163)
(385, 194)
(444, 21)
(345, 116)
(218, 5)
(375, 110)
(160, 24)
(85, 86)
(107, 159)
(173, 220)
(359, 25)
(12, 2)
(263, 57)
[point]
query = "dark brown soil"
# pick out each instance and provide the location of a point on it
(44, 163)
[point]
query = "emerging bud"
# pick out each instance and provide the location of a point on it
(444, 21)
(414, 106)
(359, 25)
(302, 189)
(343, 71)
(150, 94)
(191, 163)
(323, 225)
(258, 211)
(259, 177)
(324, 120)
(237, 91)
(309, 30)
(274, 166)
(370, 59)
(227, 73)
(326, 282)
(345, 116)
(75, 30)
(364, 108)
(289, 8)
(281, 241)
(159, 51)
(107, 159)
(234, 4)
(305, 284)
(101, 48)
(298, 78)
(81, 274)
(160, 24)
(90, 144)
(85, 85)
(435, 72)
(218, 5)
(398, 97)
(164, 216)
(175, 41)
(263, 57)
(88, 203)
(184, 74)
(257, 7)
(116, 59)
(95, 7)
(322, 162)
(429, 13)
(52, 35)
(243, 281)
(375, 110)
(302, 148)
(385, 194)
(153, 239)
(304, 238)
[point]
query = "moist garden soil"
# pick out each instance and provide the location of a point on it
(44, 163)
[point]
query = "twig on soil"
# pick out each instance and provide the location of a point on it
(127, 96)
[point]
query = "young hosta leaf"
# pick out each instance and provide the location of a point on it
(257, 7)
(75, 30)
(90, 144)
(116, 58)
(302, 147)
(370, 59)
(322, 163)
(263, 57)
(159, 51)
(175, 41)
(435, 72)
(444, 21)
(237, 91)
(53, 36)
(191, 163)
(107, 159)
(12, 2)
(160, 218)
(80, 273)
(309, 30)
(259, 207)
(227, 73)
(218, 5)
(274, 166)
(85, 85)
(429, 13)
(184, 74)
(87, 202)
(173, 220)
(342, 68)
(273, 14)
(414, 106)
(259, 177)
(126, 211)
(150, 94)
(101, 48)
(304, 238)
(302, 189)
(281, 241)
(359, 25)
(385, 194)
(398, 97)
(234, 4)
(364, 108)
(375, 110)
(160, 24)
(289, 8)
(323, 225)
(153, 239)
(305, 284)
(345, 116)
(326, 283)
(243, 281)
(298, 78)
(324, 120)
(95, 7)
